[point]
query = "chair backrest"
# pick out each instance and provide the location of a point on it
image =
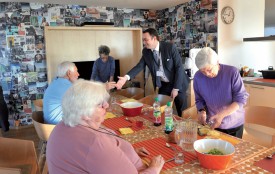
(190, 112)
(18, 154)
(43, 130)
(260, 119)
(132, 92)
(38, 104)
(150, 99)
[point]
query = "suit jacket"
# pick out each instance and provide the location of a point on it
(4, 113)
(172, 65)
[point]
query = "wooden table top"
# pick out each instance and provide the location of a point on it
(244, 150)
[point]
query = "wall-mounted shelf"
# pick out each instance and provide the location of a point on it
(267, 38)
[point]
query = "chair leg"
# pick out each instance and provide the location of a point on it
(45, 168)
(40, 144)
(42, 151)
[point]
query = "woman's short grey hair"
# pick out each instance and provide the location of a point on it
(205, 57)
(63, 68)
(81, 99)
(103, 49)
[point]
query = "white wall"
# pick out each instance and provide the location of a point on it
(249, 22)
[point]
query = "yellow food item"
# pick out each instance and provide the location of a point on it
(128, 100)
(125, 131)
(213, 133)
(109, 115)
(203, 131)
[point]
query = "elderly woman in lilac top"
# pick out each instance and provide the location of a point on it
(219, 94)
(79, 144)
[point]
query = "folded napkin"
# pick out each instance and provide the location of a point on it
(128, 100)
(126, 130)
(109, 115)
(162, 108)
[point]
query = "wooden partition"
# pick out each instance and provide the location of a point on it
(81, 44)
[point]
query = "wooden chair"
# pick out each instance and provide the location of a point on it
(38, 104)
(259, 125)
(190, 112)
(17, 156)
(132, 92)
(43, 131)
(150, 99)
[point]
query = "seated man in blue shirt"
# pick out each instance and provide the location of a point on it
(66, 74)
(104, 66)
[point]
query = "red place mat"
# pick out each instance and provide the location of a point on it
(265, 80)
(266, 164)
(120, 122)
(157, 146)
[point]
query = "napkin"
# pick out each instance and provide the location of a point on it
(162, 108)
(128, 100)
(109, 115)
(125, 131)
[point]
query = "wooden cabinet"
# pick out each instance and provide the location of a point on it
(247, 88)
(81, 43)
(190, 95)
(261, 95)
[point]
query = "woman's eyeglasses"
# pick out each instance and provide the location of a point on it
(103, 105)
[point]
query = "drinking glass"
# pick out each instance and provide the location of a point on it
(145, 110)
(179, 157)
(113, 104)
(139, 124)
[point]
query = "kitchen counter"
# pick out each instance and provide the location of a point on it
(259, 81)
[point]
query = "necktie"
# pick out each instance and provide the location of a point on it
(158, 81)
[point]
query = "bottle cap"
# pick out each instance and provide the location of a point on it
(156, 99)
(168, 104)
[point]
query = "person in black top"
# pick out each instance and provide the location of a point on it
(4, 112)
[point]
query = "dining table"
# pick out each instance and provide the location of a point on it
(154, 139)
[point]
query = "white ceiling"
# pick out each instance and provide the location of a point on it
(135, 4)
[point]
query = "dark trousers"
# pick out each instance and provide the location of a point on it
(180, 100)
(236, 132)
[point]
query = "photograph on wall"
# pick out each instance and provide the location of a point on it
(41, 87)
(27, 66)
(32, 87)
(31, 77)
(40, 67)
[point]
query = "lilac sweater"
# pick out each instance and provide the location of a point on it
(219, 92)
(80, 149)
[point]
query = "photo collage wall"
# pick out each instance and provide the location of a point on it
(23, 72)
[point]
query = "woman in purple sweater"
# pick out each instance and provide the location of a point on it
(79, 144)
(219, 93)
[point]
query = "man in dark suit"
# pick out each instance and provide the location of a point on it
(4, 113)
(165, 65)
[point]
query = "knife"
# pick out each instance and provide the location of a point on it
(169, 160)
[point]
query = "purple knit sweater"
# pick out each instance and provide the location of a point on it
(219, 92)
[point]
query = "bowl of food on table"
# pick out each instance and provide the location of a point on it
(215, 154)
(131, 109)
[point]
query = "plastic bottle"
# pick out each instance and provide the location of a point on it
(168, 115)
(157, 113)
